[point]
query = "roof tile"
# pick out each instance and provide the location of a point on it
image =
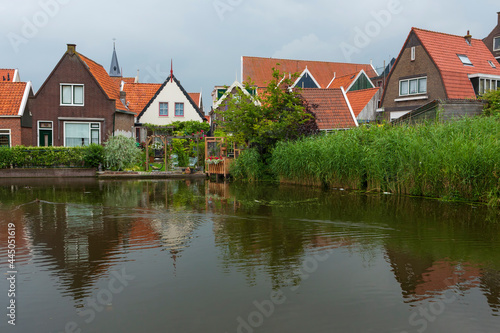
(444, 49)
(360, 98)
(332, 111)
(139, 94)
(259, 70)
(11, 97)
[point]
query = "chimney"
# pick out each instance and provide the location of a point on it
(468, 37)
(71, 49)
(498, 18)
(8, 76)
(123, 94)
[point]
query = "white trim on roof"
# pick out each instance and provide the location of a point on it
(349, 105)
(484, 76)
(357, 77)
(371, 64)
(301, 75)
(24, 101)
(16, 77)
(334, 76)
(235, 84)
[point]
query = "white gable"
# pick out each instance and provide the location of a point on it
(171, 94)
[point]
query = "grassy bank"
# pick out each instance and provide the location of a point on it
(459, 160)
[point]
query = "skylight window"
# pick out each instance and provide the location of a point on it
(465, 60)
(492, 64)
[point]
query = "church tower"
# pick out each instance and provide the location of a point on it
(114, 70)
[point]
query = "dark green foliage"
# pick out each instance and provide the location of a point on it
(94, 155)
(249, 166)
(42, 157)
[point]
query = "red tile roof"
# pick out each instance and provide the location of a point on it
(119, 79)
(259, 70)
(443, 49)
(196, 98)
(332, 111)
(343, 81)
(11, 97)
(111, 87)
(360, 98)
(7, 72)
(138, 95)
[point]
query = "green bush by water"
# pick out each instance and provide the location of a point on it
(44, 157)
(455, 161)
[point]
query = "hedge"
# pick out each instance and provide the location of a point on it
(49, 157)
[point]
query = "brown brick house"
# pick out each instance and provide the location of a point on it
(493, 40)
(78, 104)
(15, 118)
(438, 66)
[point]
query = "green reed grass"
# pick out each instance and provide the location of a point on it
(455, 161)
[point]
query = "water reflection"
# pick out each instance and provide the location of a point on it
(79, 230)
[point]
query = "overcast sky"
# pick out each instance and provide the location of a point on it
(206, 38)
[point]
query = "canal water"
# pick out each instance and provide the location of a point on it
(192, 256)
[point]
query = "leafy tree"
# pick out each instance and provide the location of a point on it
(278, 113)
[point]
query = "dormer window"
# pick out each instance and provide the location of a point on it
(72, 94)
(464, 59)
(496, 44)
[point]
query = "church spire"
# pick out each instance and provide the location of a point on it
(115, 68)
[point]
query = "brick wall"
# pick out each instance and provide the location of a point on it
(14, 124)
(124, 123)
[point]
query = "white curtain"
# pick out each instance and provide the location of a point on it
(76, 134)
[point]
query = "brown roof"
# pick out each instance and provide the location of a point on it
(360, 98)
(11, 97)
(443, 49)
(332, 111)
(196, 98)
(259, 70)
(111, 87)
(138, 95)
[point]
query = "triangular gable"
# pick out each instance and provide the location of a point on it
(108, 86)
(361, 81)
(229, 90)
(306, 80)
(171, 78)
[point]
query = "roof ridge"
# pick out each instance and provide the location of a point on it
(441, 33)
(322, 61)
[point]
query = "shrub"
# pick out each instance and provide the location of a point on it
(94, 155)
(120, 153)
(248, 166)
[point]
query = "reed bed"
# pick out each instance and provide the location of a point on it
(456, 161)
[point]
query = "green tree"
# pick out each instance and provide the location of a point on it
(277, 113)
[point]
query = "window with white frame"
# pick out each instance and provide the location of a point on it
(412, 53)
(496, 44)
(179, 109)
(163, 109)
(5, 138)
(413, 86)
(464, 59)
(81, 134)
(486, 85)
(71, 94)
